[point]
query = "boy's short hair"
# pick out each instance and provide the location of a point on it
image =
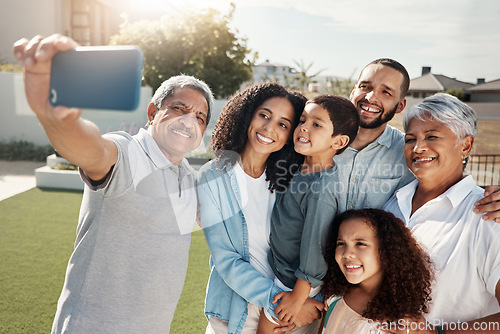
(343, 114)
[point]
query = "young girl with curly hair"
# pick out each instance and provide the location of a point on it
(377, 273)
(255, 159)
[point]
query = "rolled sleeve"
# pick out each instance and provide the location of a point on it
(318, 218)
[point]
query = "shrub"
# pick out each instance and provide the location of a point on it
(9, 67)
(459, 93)
(65, 166)
(24, 150)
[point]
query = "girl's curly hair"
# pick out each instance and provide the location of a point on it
(230, 131)
(406, 284)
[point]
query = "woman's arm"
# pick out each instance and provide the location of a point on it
(486, 325)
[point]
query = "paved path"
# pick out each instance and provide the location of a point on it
(17, 177)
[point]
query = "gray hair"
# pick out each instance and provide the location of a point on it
(168, 87)
(448, 110)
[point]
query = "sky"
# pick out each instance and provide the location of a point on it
(456, 38)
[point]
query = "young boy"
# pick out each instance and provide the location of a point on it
(303, 213)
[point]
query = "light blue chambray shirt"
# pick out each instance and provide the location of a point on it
(369, 177)
(233, 281)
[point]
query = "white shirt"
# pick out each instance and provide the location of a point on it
(464, 248)
(257, 203)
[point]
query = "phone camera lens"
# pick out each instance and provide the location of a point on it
(53, 96)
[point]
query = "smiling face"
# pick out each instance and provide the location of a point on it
(270, 127)
(178, 126)
(357, 253)
(377, 95)
(313, 135)
(434, 153)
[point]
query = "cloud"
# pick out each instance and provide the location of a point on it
(410, 18)
(407, 18)
(449, 32)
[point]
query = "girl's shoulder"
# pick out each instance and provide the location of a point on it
(331, 302)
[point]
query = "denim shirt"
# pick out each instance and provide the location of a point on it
(370, 176)
(233, 282)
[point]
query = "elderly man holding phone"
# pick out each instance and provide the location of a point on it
(131, 251)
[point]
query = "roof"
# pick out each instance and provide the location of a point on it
(436, 83)
(426, 82)
(269, 64)
(487, 86)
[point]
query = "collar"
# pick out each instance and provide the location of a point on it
(225, 161)
(459, 191)
(386, 138)
(152, 150)
(455, 194)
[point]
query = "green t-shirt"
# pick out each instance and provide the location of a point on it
(299, 225)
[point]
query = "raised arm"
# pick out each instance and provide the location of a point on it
(77, 140)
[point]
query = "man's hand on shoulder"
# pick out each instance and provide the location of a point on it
(489, 206)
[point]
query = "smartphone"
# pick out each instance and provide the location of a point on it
(97, 77)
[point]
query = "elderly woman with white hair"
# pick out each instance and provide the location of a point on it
(438, 208)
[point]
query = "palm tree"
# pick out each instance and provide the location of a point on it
(303, 78)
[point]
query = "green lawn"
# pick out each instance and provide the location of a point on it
(37, 232)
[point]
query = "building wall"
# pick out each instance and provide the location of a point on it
(262, 73)
(18, 122)
(26, 18)
(485, 97)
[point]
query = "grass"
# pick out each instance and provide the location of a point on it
(37, 233)
(189, 316)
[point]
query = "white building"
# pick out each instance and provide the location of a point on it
(275, 72)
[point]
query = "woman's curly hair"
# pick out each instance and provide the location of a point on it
(230, 131)
(407, 270)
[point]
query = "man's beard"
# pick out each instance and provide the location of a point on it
(380, 120)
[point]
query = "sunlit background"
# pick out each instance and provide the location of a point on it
(459, 38)
(323, 42)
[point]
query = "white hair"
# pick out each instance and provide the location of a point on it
(448, 110)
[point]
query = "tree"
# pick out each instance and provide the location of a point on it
(198, 44)
(459, 93)
(335, 86)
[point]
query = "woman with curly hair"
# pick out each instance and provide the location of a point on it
(254, 159)
(376, 270)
